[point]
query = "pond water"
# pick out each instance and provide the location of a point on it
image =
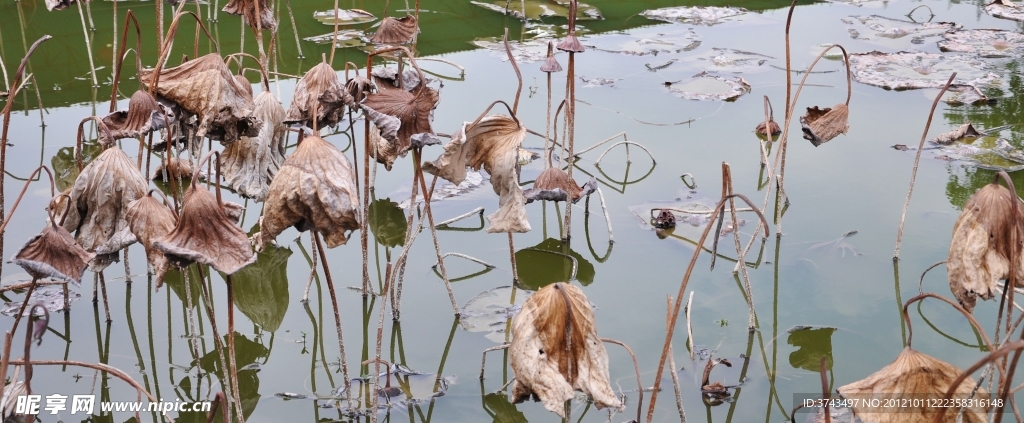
(816, 291)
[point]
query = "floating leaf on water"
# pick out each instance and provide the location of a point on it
(696, 15)
(492, 143)
(249, 165)
(247, 10)
(912, 70)
(705, 86)
(261, 289)
(911, 376)
(387, 222)
(50, 297)
(490, 310)
(143, 116)
(343, 39)
(539, 9)
(529, 51)
(981, 248)
(150, 219)
(598, 82)
(812, 345)
(1005, 9)
(894, 33)
(344, 17)
(396, 31)
(548, 262)
(986, 43)
(474, 180)
(556, 349)
(728, 60)
(962, 131)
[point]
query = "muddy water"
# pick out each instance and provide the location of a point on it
(845, 288)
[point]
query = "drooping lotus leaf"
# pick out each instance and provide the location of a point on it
(694, 15)
(555, 350)
(205, 234)
(912, 375)
(247, 9)
(553, 184)
(251, 163)
(773, 128)
(539, 9)
(381, 150)
(175, 168)
(980, 251)
(822, 125)
(144, 115)
(99, 202)
(321, 80)
(344, 17)
(396, 31)
(245, 84)
(387, 222)
(261, 289)
(912, 70)
(150, 219)
(206, 88)
(53, 254)
(358, 87)
(1005, 9)
(706, 86)
(492, 143)
(412, 109)
(315, 189)
(551, 64)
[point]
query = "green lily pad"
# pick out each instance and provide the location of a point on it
(261, 288)
(387, 222)
(812, 344)
(545, 264)
(539, 9)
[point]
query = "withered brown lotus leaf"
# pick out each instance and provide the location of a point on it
(492, 143)
(357, 87)
(206, 234)
(99, 201)
(553, 184)
(571, 44)
(206, 87)
(247, 10)
(53, 254)
(315, 189)
(251, 163)
(396, 31)
(912, 376)
(822, 125)
(980, 251)
(150, 219)
(555, 350)
(386, 78)
(963, 131)
(551, 64)
(381, 150)
(321, 80)
(244, 84)
(412, 108)
(772, 127)
(144, 115)
(175, 168)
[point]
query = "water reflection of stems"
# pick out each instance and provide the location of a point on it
(334, 304)
(207, 301)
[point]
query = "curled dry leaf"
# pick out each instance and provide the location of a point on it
(206, 234)
(980, 251)
(99, 201)
(409, 110)
(553, 184)
(962, 131)
(386, 78)
(912, 376)
(144, 115)
(357, 88)
(307, 104)
(315, 189)
(381, 150)
(53, 254)
(206, 88)
(494, 144)
(822, 125)
(772, 127)
(396, 31)
(555, 350)
(247, 10)
(250, 164)
(150, 219)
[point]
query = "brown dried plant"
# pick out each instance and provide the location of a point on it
(151, 219)
(250, 164)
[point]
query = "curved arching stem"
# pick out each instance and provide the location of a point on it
(994, 355)
(412, 59)
(165, 47)
(519, 75)
(199, 166)
(263, 70)
(31, 177)
(970, 318)
(488, 109)
(129, 18)
(80, 138)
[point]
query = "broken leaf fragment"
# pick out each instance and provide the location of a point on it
(344, 17)
(553, 184)
(986, 43)
(314, 190)
(961, 132)
(307, 108)
(1005, 9)
(150, 219)
(981, 250)
(556, 350)
(822, 125)
(912, 376)
(249, 164)
(539, 9)
(492, 143)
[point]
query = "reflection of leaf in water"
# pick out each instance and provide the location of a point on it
(812, 344)
(538, 9)
(176, 281)
(246, 352)
(387, 222)
(64, 168)
(538, 269)
(497, 405)
(490, 310)
(261, 288)
(50, 297)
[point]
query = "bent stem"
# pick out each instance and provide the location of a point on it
(217, 340)
(231, 344)
(994, 355)
(917, 160)
(334, 304)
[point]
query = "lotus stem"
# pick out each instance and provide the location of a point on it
(483, 358)
(994, 355)
(627, 144)
(570, 114)
(676, 388)
(519, 75)
(334, 303)
(478, 210)
(22, 194)
(682, 291)
(295, 29)
(417, 157)
(9, 336)
(689, 328)
(470, 258)
(88, 45)
(970, 318)
(752, 316)
(312, 270)
(217, 341)
(103, 290)
(193, 341)
(334, 35)
(636, 368)
(920, 282)
(233, 376)
(167, 42)
(917, 160)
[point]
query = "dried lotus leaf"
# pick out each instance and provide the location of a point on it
(962, 131)
(320, 83)
(144, 115)
(99, 201)
(247, 10)
(556, 349)
(396, 31)
(912, 375)
(175, 168)
(249, 165)
(381, 150)
(413, 110)
(205, 234)
(822, 125)
(315, 189)
(245, 84)
(357, 87)
(206, 88)
(53, 254)
(492, 143)
(150, 219)
(980, 251)
(772, 126)
(553, 184)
